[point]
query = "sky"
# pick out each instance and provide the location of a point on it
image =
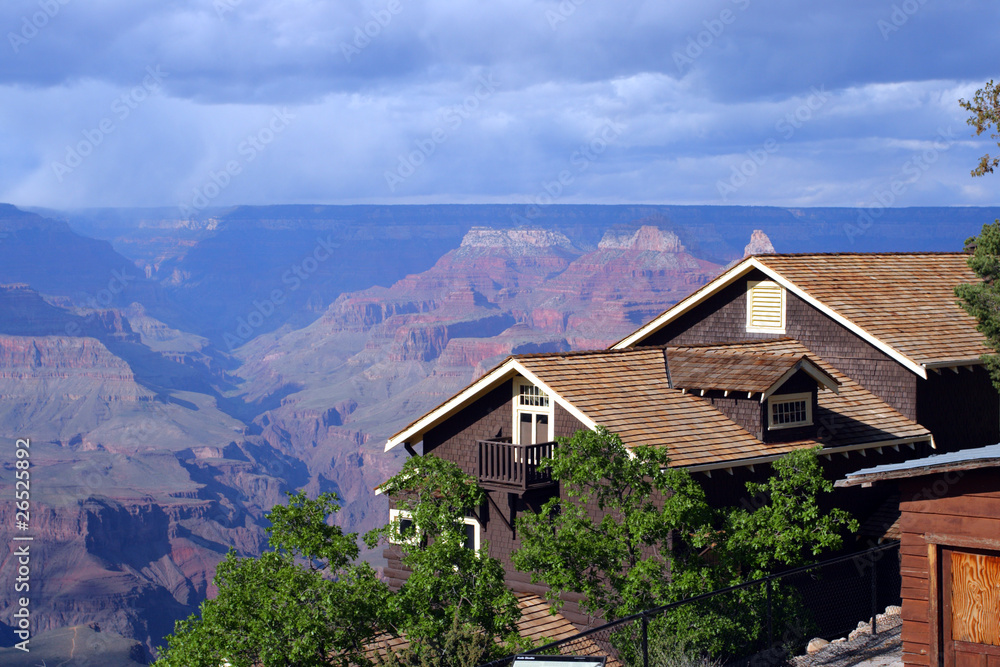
(198, 103)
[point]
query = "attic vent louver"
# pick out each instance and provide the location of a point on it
(765, 307)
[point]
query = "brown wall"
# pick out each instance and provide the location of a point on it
(960, 509)
(751, 415)
(455, 440)
(722, 318)
(961, 409)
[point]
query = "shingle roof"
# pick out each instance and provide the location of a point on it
(906, 300)
(701, 368)
(903, 303)
(627, 391)
(537, 622)
(693, 369)
(852, 416)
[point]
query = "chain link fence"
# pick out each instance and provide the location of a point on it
(755, 624)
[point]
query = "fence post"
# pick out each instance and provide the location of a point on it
(874, 595)
(770, 624)
(645, 641)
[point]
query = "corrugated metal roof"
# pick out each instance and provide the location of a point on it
(979, 457)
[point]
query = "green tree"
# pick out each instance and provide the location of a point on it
(985, 110)
(982, 300)
(452, 590)
(309, 602)
(620, 563)
(789, 528)
(658, 541)
(306, 603)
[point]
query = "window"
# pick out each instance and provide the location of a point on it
(472, 532)
(532, 414)
(765, 307)
(406, 530)
(531, 396)
(789, 410)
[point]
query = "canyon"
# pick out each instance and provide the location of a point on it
(177, 377)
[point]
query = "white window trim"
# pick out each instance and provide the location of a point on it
(395, 515)
(549, 411)
(751, 285)
(789, 398)
(477, 538)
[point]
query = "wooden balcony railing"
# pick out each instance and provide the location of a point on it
(503, 465)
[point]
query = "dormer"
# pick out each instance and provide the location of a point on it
(772, 396)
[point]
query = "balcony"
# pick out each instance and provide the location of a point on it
(504, 466)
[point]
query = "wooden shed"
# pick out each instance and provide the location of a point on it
(950, 555)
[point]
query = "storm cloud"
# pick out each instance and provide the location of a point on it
(219, 102)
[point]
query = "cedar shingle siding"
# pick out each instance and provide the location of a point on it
(723, 319)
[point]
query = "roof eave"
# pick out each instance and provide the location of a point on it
(823, 451)
(954, 466)
(415, 431)
(812, 370)
(509, 368)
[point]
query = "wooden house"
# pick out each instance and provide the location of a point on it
(866, 356)
(890, 321)
(950, 555)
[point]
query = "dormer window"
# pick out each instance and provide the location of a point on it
(789, 411)
(765, 307)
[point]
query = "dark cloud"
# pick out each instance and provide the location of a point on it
(384, 100)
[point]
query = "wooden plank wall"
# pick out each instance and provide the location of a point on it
(960, 509)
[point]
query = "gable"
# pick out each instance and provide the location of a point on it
(901, 304)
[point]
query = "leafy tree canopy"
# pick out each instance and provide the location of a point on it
(277, 611)
(451, 589)
(982, 300)
(659, 541)
(621, 562)
(310, 602)
(985, 110)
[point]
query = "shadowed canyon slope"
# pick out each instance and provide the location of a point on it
(171, 398)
